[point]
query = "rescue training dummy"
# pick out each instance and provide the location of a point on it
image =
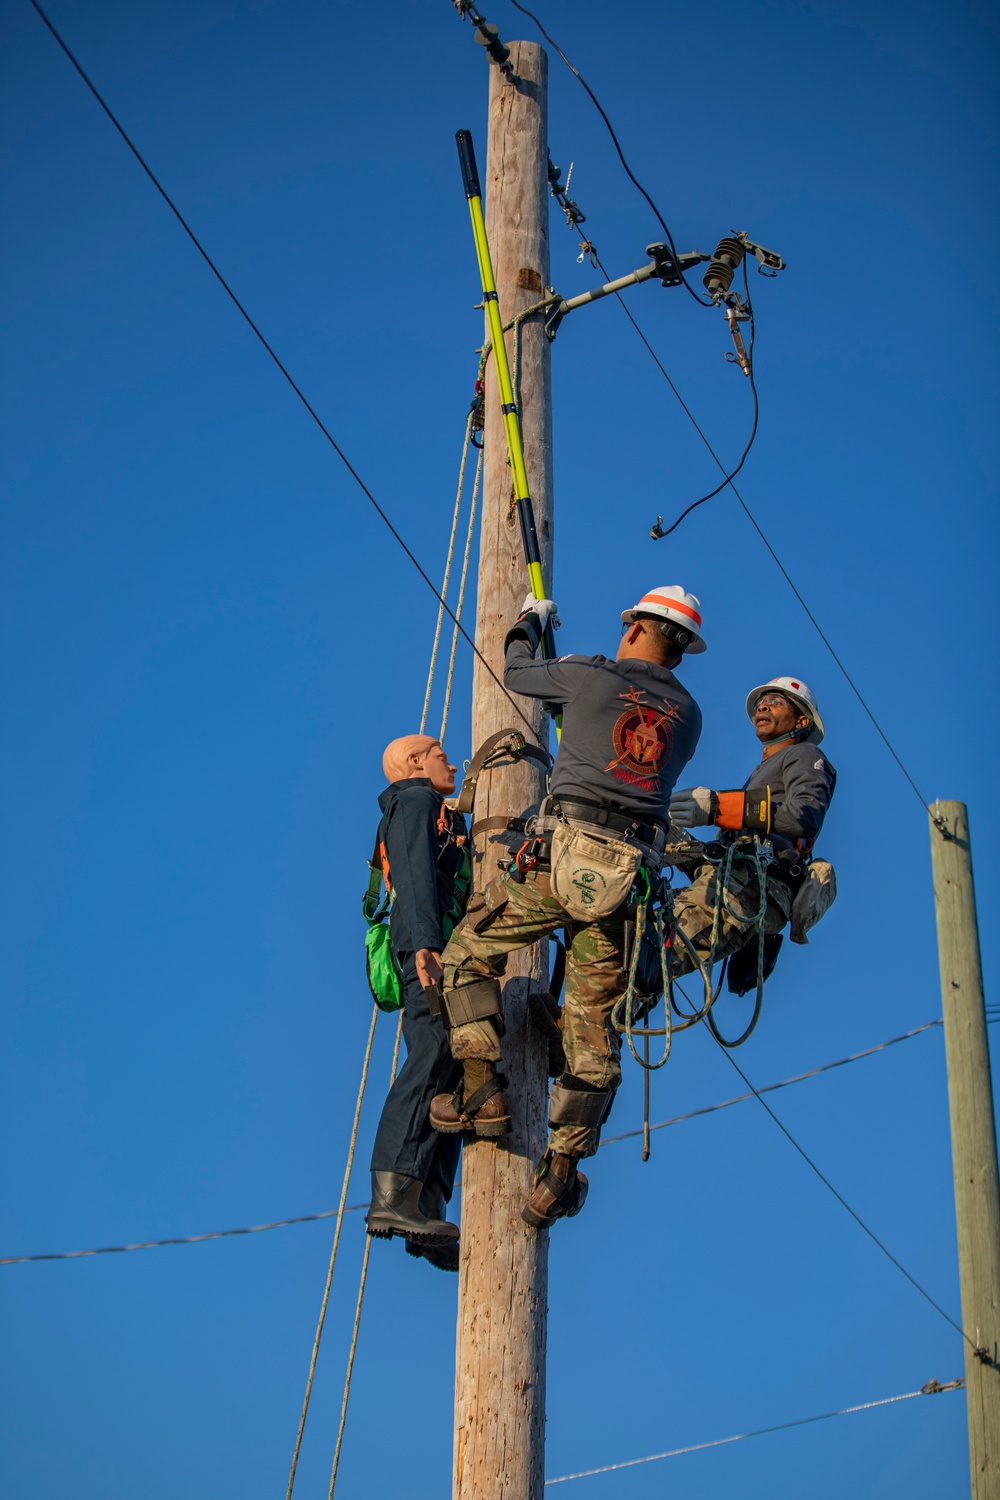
(784, 800)
(428, 870)
(628, 730)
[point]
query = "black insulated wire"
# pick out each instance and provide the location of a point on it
(702, 301)
(839, 1196)
(777, 560)
(658, 534)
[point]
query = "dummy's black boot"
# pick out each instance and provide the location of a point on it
(433, 1206)
(395, 1209)
(444, 1257)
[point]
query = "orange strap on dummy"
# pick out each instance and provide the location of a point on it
(745, 810)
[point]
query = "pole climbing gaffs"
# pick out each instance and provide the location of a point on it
(511, 422)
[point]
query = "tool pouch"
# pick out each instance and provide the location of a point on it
(591, 875)
(815, 896)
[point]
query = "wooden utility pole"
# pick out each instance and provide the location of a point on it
(973, 1136)
(503, 1278)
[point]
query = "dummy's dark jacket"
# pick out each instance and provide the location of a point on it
(629, 727)
(422, 863)
(802, 782)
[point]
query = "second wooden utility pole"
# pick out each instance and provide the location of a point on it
(503, 1277)
(973, 1136)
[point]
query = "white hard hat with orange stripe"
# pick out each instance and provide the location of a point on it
(798, 693)
(671, 603)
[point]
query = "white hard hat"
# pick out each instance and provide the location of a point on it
(671, 603)
(797, 692)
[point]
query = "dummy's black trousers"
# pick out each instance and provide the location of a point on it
(404, 1141)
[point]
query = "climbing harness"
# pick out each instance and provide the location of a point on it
(382, 968)
(508, 406)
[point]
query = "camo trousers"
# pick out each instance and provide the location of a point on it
(509, 915)
(694, 909)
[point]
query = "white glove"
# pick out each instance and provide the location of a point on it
(545, 609)
(693, 806)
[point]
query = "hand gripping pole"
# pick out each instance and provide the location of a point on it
(508, 406)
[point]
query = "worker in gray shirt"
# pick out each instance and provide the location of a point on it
(783, 801)
(628, 730)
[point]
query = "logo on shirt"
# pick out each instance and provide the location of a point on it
(643, 739)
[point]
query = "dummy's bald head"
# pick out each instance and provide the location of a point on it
(404, 757)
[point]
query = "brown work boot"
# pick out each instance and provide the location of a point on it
(478, 1104)
(560, 1191)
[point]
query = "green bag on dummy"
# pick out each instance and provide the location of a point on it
(380, 962)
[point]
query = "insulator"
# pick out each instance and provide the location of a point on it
(723, 267)
(487, 35)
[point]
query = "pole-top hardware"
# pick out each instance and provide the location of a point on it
(664, 267)
(488, 36)
(728, 258)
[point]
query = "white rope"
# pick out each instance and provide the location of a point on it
(357, 1309)
(333, 1254)
(447, 573)
(930, 1389)
(461, 595)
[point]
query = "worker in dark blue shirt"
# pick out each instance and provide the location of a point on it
(784, 800)
(428, 871)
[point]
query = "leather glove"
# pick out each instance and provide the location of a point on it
(545, 609)
(693, 807)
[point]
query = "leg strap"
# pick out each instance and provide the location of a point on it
(475, 1101)
(479, 1001)
(575, 1102)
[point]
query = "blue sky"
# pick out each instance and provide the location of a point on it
(210, 637)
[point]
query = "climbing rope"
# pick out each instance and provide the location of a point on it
(471, 426)
(333, 1254)
(358, 1305)
(761, 855)
(447, 573)
(461, 591)
(626, 1011)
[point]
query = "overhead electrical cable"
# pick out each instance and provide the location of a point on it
(728, 480)
(703, 301)
(828, 1184)
(932, 1388)
(728, 476)
(769, 1088)
(349, 1208)
(270, 350)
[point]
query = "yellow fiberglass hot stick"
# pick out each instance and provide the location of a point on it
(512, 426)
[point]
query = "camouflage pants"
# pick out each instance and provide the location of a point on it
(509, 915)
(694, 909)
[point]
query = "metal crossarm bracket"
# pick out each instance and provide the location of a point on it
(663, 267)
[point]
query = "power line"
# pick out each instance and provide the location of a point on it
(188, 1239)
(270, 350)
(768, 1088)
(728, 477)
(932, 1388)
(828, 1184)
(728, 480)
(702, 301)
(707, 1109)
